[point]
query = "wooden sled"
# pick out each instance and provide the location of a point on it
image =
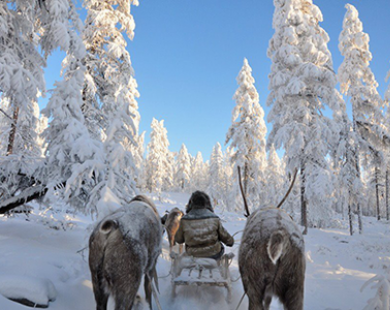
(189, 270)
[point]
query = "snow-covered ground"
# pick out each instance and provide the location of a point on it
(39, 250)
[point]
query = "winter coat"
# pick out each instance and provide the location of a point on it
(202, 232)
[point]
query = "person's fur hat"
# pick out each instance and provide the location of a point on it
(199, 200)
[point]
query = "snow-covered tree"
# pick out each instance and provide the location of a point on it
(247, 136)
(302, 84)
(199, 174)
(230, 178)
(348, 191)
(183, 169)
(216, 184)
(75, 161)
(21, 72)
(387, 152)
(16, 168)
(387, 157)
(43, 124)
(137, 150)
(158, 164)
(29, 29)
(358, 83)
(110, 91)
(274, 179)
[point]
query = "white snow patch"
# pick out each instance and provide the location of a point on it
(37, 290)
(107, 204)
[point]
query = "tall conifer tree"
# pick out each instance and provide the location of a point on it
(302, 84)
(247, 136)
(359, 85)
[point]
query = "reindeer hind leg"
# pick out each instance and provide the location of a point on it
(101, 296)
(255, 299)
(148, 289)
(293, 299)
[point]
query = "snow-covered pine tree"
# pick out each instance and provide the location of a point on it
(158, 165)
(17, 169)
(198, 174)
(358, 83)
(5, 124)
(27, 29)
(302, 84)
(110, 93)
(387, 158)
(183, 169)
(75, 161)
(110, 86)
(247, 136)
(349, 189)
(21, 73)
(42, 125)
(170, 178)
(216, 183)
(273, 178)
(137, 150)
(387, 152)
(230, 178)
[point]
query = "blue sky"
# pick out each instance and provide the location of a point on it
(187, 54)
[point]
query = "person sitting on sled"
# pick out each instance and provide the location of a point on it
(201, 229)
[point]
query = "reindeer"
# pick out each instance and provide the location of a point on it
(271, 258)
(123, 248)
(171, 222)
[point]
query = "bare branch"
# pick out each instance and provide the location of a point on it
(1, 110)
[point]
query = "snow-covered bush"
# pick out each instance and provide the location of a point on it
(381, 300)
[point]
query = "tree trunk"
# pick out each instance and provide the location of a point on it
(356, 156)
(303, 200)
(387, 195)
(350, 213)
(378, 211)
(11, 138)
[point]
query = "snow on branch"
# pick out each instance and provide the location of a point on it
(381, 300)
(372, 131)
(29, 194)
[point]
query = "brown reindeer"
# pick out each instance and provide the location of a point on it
(171, 222)
(123, 248)
(271, 258)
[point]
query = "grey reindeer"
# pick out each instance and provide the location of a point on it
(123, 248)
(271, 258)
(171, 222)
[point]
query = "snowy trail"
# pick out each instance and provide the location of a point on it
(337, 264)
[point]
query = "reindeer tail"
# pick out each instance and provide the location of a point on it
(276, 245)
(108, 226)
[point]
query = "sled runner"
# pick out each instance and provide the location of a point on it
(189, 270)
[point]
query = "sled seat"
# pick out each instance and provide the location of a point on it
(189, 270)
